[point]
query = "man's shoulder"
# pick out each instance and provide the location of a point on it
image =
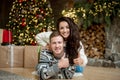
(46, 53)
(46, 56)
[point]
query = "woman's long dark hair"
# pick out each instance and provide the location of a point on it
(73, 40)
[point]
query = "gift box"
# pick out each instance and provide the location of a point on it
(1, 35)
(11, 56)
(5, 36)
(30, 56)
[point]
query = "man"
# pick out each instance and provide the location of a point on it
(54, 64)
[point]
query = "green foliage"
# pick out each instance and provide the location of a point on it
(100, 11)
(28, 18)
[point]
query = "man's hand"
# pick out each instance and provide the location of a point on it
(63, 62)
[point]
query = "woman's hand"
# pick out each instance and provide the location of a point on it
(78, 61)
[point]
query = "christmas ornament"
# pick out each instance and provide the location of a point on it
(20, 1)
(23, 24)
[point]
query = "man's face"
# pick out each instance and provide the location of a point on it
(56, 45)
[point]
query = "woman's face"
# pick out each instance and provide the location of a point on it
(64, 29)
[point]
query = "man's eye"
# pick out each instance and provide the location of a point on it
(59, 42)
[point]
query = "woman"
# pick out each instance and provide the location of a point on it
(74, 48)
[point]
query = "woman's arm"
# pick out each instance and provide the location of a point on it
(83, 55)
(43, 38)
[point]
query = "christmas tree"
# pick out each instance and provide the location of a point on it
(28, 18)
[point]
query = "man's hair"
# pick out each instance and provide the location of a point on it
(54, 34)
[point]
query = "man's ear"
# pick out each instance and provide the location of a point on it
(50, 47)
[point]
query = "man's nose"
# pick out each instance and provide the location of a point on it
(57, 44)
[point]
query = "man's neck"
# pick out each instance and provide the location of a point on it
(59, 56)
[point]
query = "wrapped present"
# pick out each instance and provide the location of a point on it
(1, 35)
(5, 36)
(30, 56)
(11, 56)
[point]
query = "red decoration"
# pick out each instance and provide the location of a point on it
(7, 36)
(34, 1)
(23, 24)
(33, 43)
(23, 19)
(39, 16)
(90, 1)
(20, 1)
(42, 10)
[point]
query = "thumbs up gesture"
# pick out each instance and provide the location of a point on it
(63, 62)
(78, 61)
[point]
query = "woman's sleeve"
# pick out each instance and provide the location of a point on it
(43, 38)
(83, 55)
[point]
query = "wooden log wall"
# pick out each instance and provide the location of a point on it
(93, 40)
